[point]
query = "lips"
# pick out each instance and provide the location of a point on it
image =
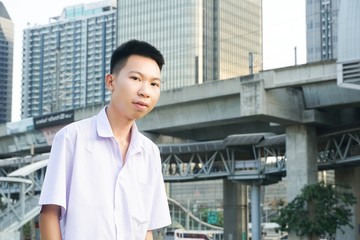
(141, 103)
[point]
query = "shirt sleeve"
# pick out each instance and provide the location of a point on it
(55, 189)
(160, 214)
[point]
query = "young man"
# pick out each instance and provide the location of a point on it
(104, 178)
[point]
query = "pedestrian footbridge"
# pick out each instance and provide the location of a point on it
(246, 158)
(20, 193)
(249, 157)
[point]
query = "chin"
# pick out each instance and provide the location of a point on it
(138, 116)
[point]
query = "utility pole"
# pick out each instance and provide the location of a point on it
(57, 80)
(251, 63)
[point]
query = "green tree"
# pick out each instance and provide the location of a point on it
(320, 209)
(26, 230)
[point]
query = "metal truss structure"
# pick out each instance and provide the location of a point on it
(251, 157)
(245, 157)
(340, 149)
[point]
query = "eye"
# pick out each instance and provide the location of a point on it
(155, 84)
(135, 78)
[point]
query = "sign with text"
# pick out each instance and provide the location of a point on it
(60, 118)
(212, 217)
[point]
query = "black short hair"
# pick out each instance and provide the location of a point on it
(134, 47)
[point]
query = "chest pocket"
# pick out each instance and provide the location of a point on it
(141, 209)
(142, 194)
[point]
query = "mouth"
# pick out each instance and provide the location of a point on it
(141, 104)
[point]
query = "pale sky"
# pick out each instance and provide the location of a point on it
(283, 25)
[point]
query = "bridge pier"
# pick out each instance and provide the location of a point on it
(301, 167)
(235, 210)
(255, 212)
(350, 177)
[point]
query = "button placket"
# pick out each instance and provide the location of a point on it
(117, 190)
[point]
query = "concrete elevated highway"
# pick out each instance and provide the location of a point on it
(297, 115)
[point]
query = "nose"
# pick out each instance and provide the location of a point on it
(144, 90)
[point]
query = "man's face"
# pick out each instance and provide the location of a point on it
(135, 88)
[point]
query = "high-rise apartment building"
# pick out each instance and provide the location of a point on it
(6, 64)
(348, 61)
(201, 40)
(65, 61)
(322, 29)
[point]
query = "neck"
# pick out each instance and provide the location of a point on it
(120, 126)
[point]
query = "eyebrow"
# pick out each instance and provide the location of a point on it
(155, 78)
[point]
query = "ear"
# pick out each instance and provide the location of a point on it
(109, 81)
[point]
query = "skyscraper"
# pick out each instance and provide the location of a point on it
(6, 64)
(321, 29)
(348, 61)
(201, 40)
(65, 61)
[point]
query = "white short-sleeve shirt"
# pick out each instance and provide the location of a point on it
(100, 198)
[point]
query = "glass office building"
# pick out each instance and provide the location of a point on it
(201, 40)
(65, 61)
(321, 29)
(6, 64)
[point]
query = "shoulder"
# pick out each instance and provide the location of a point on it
(148, 144)
(82, 126)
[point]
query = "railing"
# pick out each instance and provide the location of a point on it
(196, 166)
(223, 162)
(12, 218)
(185, 219)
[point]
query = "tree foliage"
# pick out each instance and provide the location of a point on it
(320, 209)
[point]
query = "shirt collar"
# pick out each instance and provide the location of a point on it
(103, 125)
(104, 130)
(135, 143)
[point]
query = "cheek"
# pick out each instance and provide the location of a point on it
(156, 97)
(124, 90)
(120, 97)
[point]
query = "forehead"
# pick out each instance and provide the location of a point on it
(144, 65)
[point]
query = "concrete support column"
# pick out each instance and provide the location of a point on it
(350, 177)
(255, 212)
(22, 199)
(301, 165)
(235, 211)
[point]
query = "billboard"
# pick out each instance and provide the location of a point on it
(59, 118)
